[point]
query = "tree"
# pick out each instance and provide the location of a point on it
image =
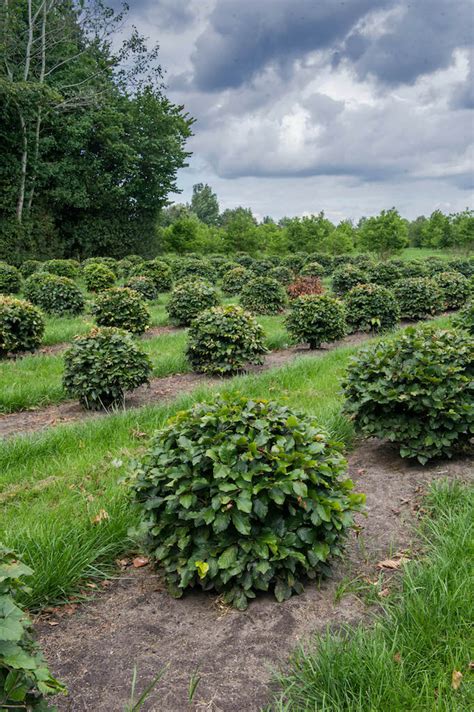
(307, 234)
(462, 230)
(415, 231)
(436, 232)
(240, 230)
(341, 240)
(385, 234)
(204, 204)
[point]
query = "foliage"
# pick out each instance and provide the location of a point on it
(156, 270)
(304, 285)
(122, 308)
(204, 204)
(384, 234)
(263, 295)
(261, 267)
(234, 280)
(295, 261)
(315, 319)
(55, 295)
(240, 496)
(109, 262)
(190, 298)
(101, 366)
(193, 267)
(412, 268)
(98, 277)
(62, 268)
(127, 266)
(464, 319)
(144, 286)
(21, 326)
(224, 340)
(371, 307)
(418, 297)
(434, 265)
(28, 267)
(10, 279)
(465, 266)
(346, 277)
(455, 287)
(416, 390)
(385, 273)
(282, 274)
(25, 680)
(312, 269)
(240, 230)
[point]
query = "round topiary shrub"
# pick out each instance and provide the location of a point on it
(234, 280)
(263, 295)
(435, 264)
(316, 319)
(62, 268)
(127, 266)
(224, 340)
(282, 274)
(245, 261)
(260, 268)
(418, 297)
(222, 264)
(455, 287)
(464, 319)
(371, 307)
(55, 295)
(416, 390)
(346, 277)
(101, 366)
(109, 262)
(194, 268)
(21, 326)
(123, 308)
(98, 277)
(312, 269)
(29, 267)
(156, 270)
(327, 261)
(384, 273)
(295, 261)
(10, 279)
(304, 285)
(240, 496)
(413, 268)
(188, 299)
(464, 266)
(144, 286)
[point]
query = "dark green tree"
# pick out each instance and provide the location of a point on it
(204, 204)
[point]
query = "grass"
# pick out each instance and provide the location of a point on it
(405, 661)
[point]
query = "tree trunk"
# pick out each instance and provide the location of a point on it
(24, 163)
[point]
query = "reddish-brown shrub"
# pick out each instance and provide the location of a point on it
(304, 285)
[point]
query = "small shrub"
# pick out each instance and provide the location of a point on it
(418, 297)
(109, 262)
(123, 308)
(156, 270)
(144, 286)
(260, 268)
(98, 277)
(21, 326)
(29, 267)
(245, 261)
(263, 295)
(234, 280)
(384, 273)
(464, 319)
(327, 261)
(346, 277)
(25, 680)
(304, 285)
(190, 298)
(282, 274)
(455, 287)
(371, 307)
(295, 261)
(62, 268)
(194, 268)
(416, 390)
(243, 496)
(10, 279)
(413, 268)
(434, 265)
(127, 266)
(54, 295)
(313, 269)
(101, 366)
(464, 266)
(223, 265)
(224, 340)
(315, 319)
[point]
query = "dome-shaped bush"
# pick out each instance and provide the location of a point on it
(282, 274)
(234, 280)
(101, 366)
(30, 266)
(62, 268)
(304, 285)
(384, 273)
(194, 268)
(55, 295)
(455, 287)
(245, 261)
(123, 308)
(416, 390)
(260, 268)
(312, 269)
(413, 268)
(316, 319)
(127, 266)
(464, 319)
(224, 340)
(21, 326)
(243, 496)
(371, 307)
(156, 270)
(345, 277)
(188, 299)
(144, 286)
(109, 262)
(325, 260)
(10, 279)
(263, 295)
(464, 266)
(98, 277)
(435, 264)
(418, 297)
(295, 261)
(222, 264)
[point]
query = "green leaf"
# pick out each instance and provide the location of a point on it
(227, 558)
(241, 523)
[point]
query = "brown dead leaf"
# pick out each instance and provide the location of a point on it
(52, 623)
(123, 563)
(91, 585)
(140, 561)
(456, 678)
(138, 434)
(397, 658)
(384, 593)
(361, 471)
(471, 665)
(102, 516)
(392, 563)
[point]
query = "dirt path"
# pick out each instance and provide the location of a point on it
(159, 390)
(135, 622)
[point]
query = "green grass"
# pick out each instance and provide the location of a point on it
(421, 253)
(405, 661)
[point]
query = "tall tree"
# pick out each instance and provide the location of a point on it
(385, 234)
(204, 204)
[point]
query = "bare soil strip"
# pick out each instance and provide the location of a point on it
(95, 647)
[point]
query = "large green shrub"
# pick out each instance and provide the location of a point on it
(234, 280)
(28, 267)
(434, 265)
(464, 319)
(10, 279)
(371, 307)
(194, 268)
(304, 285)
(312, 269)
(100, 367)
(282, 274)
(455, 287)
(346, 277)
(412, 268)
(109, 262)
(158, 271)
(416, 390)
(261, 267)
(123, 308)
(240, 496)
(98, 277)
(190, 298)
(418, 297)
(25, 680)
(385, 273)
(463, 265)
(128, 265)
(144, 286)
(245, 260)
(62, 268)
(222, 264)
(21, 326)
(263, 295)
(316, 319)
(224, 340)
(55, 295)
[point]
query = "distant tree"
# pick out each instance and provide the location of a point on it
(415, 231)
(204, 204)
(272, 238)
(436, 231)
(341, 240)
(240, 229)
(173, 212)
(385, 234)
(307, 234)
(462, 230)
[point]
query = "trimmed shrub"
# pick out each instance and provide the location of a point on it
(224, 340)
(416, 390)
(282, 274)
(295, 261)
(98, 277)
(304, 285)
(464, 319)
(244, 261)
(194, 268)
(21, 326)
(327, 261)
(464, 266)
(384, 273)
(263, 295)
(315, 319)
(101, 366)
(190, 298)
(10, 279)
(109, 262)
(260, 268)
(62, 268)
(223, 265)
(455, 287)
(144, 286)
(123, 308)
(413, 268)
(363, 261)
(371, 307)
(240, 496)
(156, 270)
(435, 265)
(418, 297)
(346, 277)
(313, 269)
(29, 267)
(127, 266)
(234, 280)
(25, 680)
(55, 295)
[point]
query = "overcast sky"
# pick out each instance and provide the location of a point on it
(308, 105)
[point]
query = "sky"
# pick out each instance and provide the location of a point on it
(307, 105)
